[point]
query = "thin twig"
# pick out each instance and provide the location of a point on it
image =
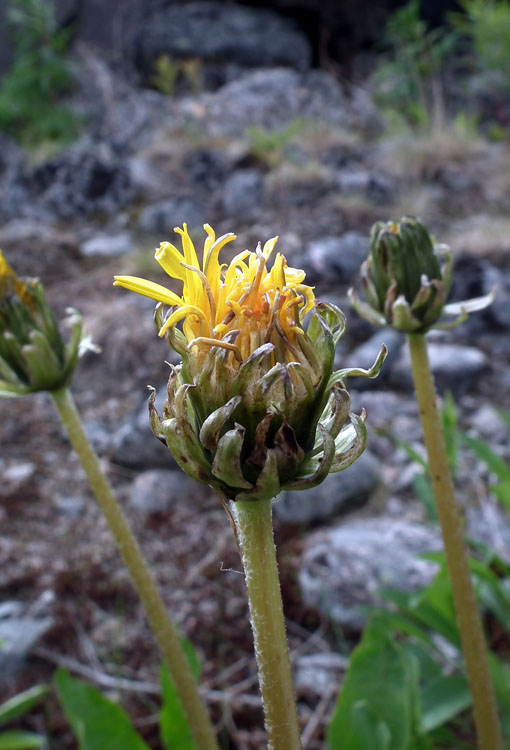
(318, 715)
(139, 686)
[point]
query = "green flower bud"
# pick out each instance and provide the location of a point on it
(407, 278)
(33, 355)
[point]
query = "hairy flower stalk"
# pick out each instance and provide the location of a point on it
(406, 281)
(253, 409)
(34, 357)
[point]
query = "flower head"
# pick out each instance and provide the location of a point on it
(254, 407)
(33, 355)
(407, 278)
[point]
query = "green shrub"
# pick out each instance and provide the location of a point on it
(30, 92)
(408, 83)
(486, 24)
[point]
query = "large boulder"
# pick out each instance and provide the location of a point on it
(221, 33)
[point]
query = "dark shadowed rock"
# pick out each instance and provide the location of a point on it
(242, 194)
(160, 218)
(344, 567)
(221, 33)
(87, 178)
(134, 443)
(339, 492)
(336, 260)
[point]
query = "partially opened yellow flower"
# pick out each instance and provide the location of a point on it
(245, 298)
(254, 407)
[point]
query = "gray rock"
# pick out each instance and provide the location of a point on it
(222, 33)
(488, 524)
(487, 424)
(344, 567)
(160, 218)
(336, 260)
(157, 490)
(272, 99)
(18, 635)
(15, 477)
(107, 245)
(339, 492)
(71, 506)
(365, 355)
(499, 311)
(134, 444)
(455, 368)
(318, 674)
(242, 194)
(375, 186)
(37, 249)
(87, 178)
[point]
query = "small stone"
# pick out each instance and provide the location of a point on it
(317, 674)
(336, 494)
(70, 506)
(344, 567)
(107, 245)
(18, 635)
(487, 424)
(455, 368)
(156, 491)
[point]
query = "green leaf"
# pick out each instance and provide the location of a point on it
(19, 740)
(21, 703)
(442, 699)
(484, 452)
(500, 673)
(175, 733)
(97, 722)
(378, 705)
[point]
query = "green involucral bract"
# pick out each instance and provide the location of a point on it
(253, 430)
(33, 355)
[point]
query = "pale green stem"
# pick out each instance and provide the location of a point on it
(146, 587)
(255, 535)
(468, 615)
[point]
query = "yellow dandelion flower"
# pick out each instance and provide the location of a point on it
(238, 307)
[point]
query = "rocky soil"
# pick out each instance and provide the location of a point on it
(146, 163)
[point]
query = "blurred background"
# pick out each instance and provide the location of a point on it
(121, 119)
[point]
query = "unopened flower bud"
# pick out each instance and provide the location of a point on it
(33, 354)
(254, 407)
(407, 278)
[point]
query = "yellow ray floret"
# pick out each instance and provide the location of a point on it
(243, 299)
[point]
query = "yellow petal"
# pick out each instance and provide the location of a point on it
(294, 276)
(148, 289)
(179, 314)
(170, 259)
(269, 247)
(192, 286)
